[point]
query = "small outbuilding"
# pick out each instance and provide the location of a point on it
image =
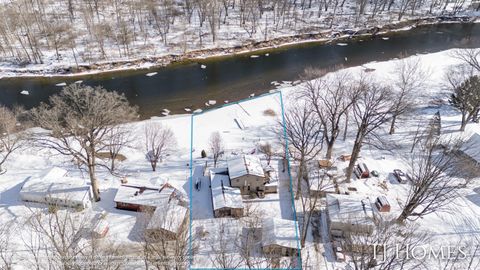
(351, 214)
(279, 237)
(382, 204)
(101, 229)
(167, 223)
(226, 200)
(55, 187)
(246, 172)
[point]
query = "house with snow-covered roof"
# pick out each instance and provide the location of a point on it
(226, 200)
(347, 213)
(167, 223)
(56, 187)
(279, 237)
(246, 172)
(471, 148)
(138, 196)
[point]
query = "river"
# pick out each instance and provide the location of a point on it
(236, 77)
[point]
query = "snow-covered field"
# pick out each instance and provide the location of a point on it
(460, 222)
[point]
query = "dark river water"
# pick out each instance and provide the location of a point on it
(236, 77)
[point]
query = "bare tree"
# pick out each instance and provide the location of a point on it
(431, 185)
(371, 111)
(216, 145)
(305, 136)
(161, 251)
(379, 249)
(331, 98)
(159, 142)
(11, 139)
(118, 138)
(6, 253)
(223, 254)
(409, 78)
(470, 57)
(318, 182)
(267, 151)
(79, 121)
(60, 232)
(465, 94)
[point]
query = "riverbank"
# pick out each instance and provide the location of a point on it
(254, 47)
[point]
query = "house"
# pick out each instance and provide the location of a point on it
(471, 149)
(57, 188)
(279, 237)
(167, 222)
(246, 172)
(138, 197)
(226, 200)
(347, 213)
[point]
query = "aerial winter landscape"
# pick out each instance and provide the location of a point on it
(206, 134)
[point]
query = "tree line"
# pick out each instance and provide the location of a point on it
(36, 31)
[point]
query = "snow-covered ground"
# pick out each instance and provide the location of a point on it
(459, 223)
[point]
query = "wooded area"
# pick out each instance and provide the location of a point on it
(74, 31)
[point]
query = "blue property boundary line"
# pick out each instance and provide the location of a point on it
(288, 169)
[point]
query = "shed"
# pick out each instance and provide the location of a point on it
(349, 213)
(246, 172)
(100, 229)
(279, 237)
(226, 200)
(382, 204)
(56, 187)
(167, 222)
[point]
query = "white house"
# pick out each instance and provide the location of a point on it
(227, 201)
(246, 172)
(279, 237)
(57, 188)
(347, 213)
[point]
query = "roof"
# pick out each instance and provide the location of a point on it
(145, 196)
(472, 147)
(169, 218)
(347, 208)
(319, 180)
(245, 165)
(56, 184)
(280, 232)
(223, 195)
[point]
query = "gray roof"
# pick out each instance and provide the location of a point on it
(472, 147)
(245, 165)
(280, 232)
(348, 209)
(223, 195)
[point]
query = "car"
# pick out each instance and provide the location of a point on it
(401, 176)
